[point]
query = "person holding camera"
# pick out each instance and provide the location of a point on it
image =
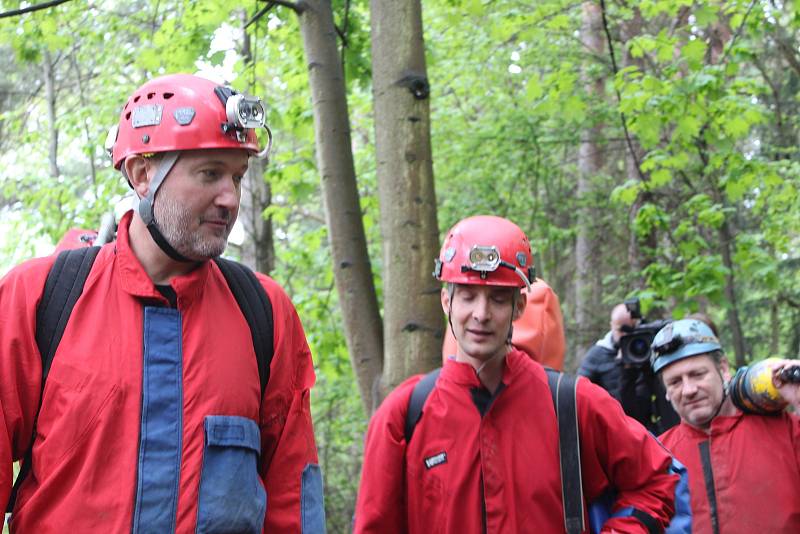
(602, 363)
(620, 364)
(741, 449)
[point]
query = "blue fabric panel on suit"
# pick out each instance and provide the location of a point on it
(312, 505)
(161, 423)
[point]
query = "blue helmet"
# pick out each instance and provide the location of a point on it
(682, 339)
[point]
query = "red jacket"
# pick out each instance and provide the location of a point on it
(150, 418)
(755, 464)
(505, 461)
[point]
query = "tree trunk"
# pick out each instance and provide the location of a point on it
(258, 248)
(726, 244)
(351, 265)
(640, 248)
(50, 98)
(413, 320)
(587, 276)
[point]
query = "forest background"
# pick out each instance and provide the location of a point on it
(647, 148)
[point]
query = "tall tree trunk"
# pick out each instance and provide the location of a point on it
(587, 276)
(720, 35)
(50, 100)
(258, 249)
(351, 265)
(640, 248)
(726, 246)
(413, 320)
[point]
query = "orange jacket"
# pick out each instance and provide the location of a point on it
(539, 332)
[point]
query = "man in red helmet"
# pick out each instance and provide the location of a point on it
(153, 417)
(484, 456)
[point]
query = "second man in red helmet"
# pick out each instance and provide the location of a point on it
(484, 456)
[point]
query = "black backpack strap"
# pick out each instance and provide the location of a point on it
(257, 310)
(61, 291)
(64, 285)
(564, 393)
(417, 400)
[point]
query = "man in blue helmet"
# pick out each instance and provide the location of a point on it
(744, 469)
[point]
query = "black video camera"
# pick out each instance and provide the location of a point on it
(635, 344)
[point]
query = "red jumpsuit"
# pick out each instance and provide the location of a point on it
(151, 419)
(499, 473)
(754, 463)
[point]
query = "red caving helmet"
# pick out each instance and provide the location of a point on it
(486, 250)
(186, 112)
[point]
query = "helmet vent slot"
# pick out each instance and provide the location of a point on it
(167, 96)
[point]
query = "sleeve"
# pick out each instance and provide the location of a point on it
(794, 429)
(289, 465)
(588, 366)
(617, 452)
(20, 364)
(381, 501)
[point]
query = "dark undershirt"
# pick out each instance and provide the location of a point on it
(169, 294)
(483, 399)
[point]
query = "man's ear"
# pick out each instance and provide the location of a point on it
(725, 368)
(519, 308)
(445, 298)
(136, 168)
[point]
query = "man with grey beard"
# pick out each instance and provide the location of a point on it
(156, 415)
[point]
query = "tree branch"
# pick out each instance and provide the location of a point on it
(619, 96)
(294, 6)
(30, 9)
(738, 32)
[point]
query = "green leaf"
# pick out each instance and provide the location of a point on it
(694, 52)
(705, 14)
(660, 178)
(533, 89)
(627, 192)
(736, 126)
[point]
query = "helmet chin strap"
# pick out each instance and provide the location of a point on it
(144, 206)
(725, 386)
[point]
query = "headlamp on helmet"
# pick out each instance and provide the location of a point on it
(483, 259)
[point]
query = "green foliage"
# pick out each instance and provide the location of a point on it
(708, 91)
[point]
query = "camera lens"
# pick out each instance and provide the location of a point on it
(640, 348)
(636, 348)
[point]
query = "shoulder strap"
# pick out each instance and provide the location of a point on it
(417, 400)
(62, 288)
(61, 291)
(563, 391)
(257, 310)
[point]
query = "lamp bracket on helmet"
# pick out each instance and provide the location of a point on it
(149, 115)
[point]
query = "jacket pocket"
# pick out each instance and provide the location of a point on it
(232, 498)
